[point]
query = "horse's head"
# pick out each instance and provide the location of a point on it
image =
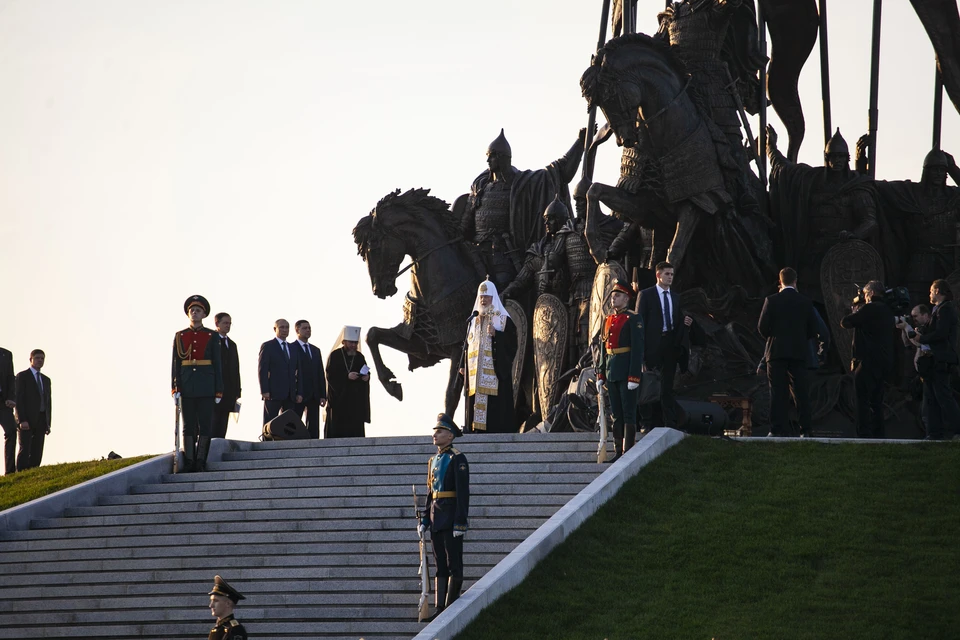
(621, 75)
(394, 228)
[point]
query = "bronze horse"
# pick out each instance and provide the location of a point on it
(676, 167)
(443, 283)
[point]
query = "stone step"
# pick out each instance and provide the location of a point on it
(478, 479)
(506, 535)
(463, 443)
(304, 628)
(324, 552)
(424, 452)
(400, 491)
(178, 531)
(399, 613)
(278, 514)
(397, 459)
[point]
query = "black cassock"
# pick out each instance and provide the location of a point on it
(348, 401)
(501, 416)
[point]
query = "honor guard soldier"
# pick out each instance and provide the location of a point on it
(197, 382)
(448, 500)
(620, 367)
(223, 599)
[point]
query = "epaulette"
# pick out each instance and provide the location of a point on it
(454, 451)
(234, 623)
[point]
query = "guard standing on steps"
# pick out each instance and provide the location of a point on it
(448, 500)
(223, 599)
(620, 367)
(197, 382)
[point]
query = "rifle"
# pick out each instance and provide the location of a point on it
(424, 571)
(602, 448)
(176, 437)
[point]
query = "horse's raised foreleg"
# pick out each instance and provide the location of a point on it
(688, 217)
(376, 336)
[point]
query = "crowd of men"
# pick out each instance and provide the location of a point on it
(205, 375)
(25, 412)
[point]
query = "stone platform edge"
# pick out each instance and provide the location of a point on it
(116, 483)
(512, 570)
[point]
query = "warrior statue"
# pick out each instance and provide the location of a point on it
(819, 207)
(545, 263)
(927, 215)
(503, 212)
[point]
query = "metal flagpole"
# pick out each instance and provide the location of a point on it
(937, 109)
(825, 74)
(873, 113)
(762, 134)
(587, 168)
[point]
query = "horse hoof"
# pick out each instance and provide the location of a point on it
(394, 389)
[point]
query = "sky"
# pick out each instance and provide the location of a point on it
(151, 150)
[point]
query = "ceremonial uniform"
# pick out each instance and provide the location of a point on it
(621, 362)
(223, 599)
(197, 376)
(448, 501)
(226, 628)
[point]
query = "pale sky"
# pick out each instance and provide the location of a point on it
(150, 150)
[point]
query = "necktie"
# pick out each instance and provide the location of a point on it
(667, 312)
(43, 403)
(225, 343)
(306, 350)
(286, 352)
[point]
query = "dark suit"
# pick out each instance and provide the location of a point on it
(278, 377)
(788, 323)
(36, 411)
(873, 327)
(661, 351)
(314, 385)
(940, 410)
(230, 365)
(8, 391)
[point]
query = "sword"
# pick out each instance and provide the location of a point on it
(601, 405)
(424, 571)
(176, 437)
(732, 88)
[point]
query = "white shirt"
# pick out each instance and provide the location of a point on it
(284, 347)
(673, 309)
(305, 347)
(223, 337)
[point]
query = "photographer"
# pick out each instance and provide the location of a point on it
(873, 325)
(940, 335)
(921, 318)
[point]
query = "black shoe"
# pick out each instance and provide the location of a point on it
(615, 457)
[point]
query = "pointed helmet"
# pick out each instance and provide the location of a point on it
(556, 209)
(500, 146)
(936, 158)
(836, 145)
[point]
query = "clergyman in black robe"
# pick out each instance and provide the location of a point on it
(348, 388)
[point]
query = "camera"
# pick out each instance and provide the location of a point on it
(897, 298)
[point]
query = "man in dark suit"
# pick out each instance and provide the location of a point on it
(873, 327)
(33, 411)
(8, 400)
(940, 410)
(277, 369)
(663, 321)
(313, 382)
(787, 322)
(230, 364)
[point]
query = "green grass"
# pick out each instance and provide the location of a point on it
(726, 540)
(31, 484)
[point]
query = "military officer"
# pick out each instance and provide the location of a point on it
(197, 382)
(223, 599)
(448, 499)
(620, 366)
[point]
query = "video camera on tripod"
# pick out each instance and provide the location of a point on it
(897, 298)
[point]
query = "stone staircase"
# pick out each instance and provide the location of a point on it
(319, 535)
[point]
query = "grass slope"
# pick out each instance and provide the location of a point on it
(17, 488)
(726, 540)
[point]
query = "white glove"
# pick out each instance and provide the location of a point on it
(217, 401)
(176, 397)
(422, 530)
(632, 385)
(458, 534)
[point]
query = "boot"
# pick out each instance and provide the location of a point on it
(617, 441)
(629, 436)
(454, 592)
(203, 449)
(440, 591)
(189, 454)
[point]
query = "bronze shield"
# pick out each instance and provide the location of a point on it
(846, 266)
(550, 335)
(520, 321)
(607, 273)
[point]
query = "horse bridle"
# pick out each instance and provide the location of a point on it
(388, 230)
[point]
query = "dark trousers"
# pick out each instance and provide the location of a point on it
(623, 405)
(312, 407)
(868, 383)
(940, 409)
(663, 413)
(273, 408)
(221, 416)
(197, 416)
(448, 554)
(782, 374)
(9, 424)
(31, 444)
